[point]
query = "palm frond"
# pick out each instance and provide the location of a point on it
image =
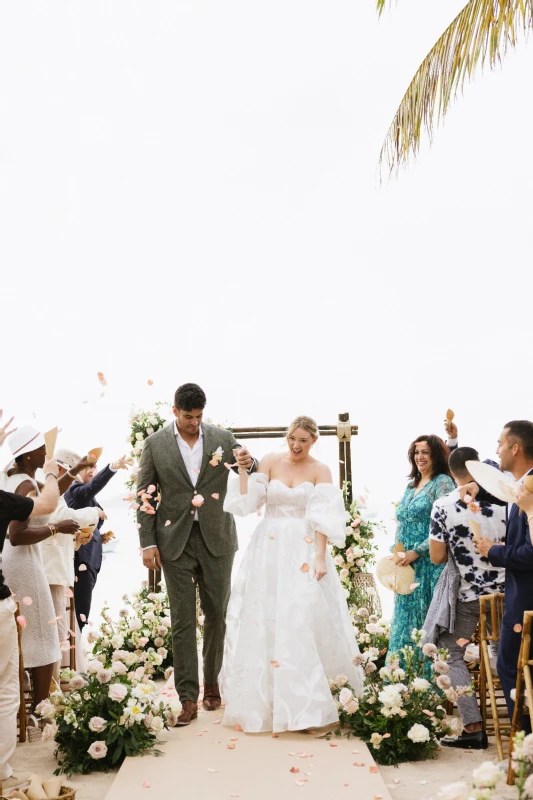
(484, 28)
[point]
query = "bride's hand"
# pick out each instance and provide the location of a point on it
(320, 568)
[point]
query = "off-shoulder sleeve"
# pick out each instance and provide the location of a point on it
(243, 504)
(326, 514)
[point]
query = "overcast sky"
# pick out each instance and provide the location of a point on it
(188, 191)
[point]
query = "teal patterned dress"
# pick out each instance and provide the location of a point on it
(413, 516)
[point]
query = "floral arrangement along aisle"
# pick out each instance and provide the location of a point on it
(106, 715)
(359, 552)
(373, 636)
(143, 424)
(400, 715)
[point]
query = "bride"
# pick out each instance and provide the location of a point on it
(288, 626)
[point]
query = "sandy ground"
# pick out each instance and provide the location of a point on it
(416, 780)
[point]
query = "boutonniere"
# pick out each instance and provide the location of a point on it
(216, 457)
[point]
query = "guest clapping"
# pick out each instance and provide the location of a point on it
(429, 479)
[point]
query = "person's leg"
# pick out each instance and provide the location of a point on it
(507, 668)
(83, 592)
(214, 583)
(9, 685)
(466, 619)
(181, 576)
(42, 678)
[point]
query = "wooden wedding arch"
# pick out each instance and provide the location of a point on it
(343, 430)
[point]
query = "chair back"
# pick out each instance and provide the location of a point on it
(491, 611)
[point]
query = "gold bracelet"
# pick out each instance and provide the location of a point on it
(52, 529)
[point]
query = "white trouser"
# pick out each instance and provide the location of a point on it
(60, 605)
(9, 685)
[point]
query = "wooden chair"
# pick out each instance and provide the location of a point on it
(524, 688)
(22, 704)
(491, 610)
(72, 625)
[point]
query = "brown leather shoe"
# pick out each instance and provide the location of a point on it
(211, 701)
(189, 712)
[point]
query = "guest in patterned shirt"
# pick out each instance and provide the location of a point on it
(450, 530)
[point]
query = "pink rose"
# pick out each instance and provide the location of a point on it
(117, 691)
(97, 750)
(443, 682)
(97, 724)
(135, 624)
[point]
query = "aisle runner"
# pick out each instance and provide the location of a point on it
(209, 762)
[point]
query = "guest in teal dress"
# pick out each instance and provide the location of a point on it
(430, 479)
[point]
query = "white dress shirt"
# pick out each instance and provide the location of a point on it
(192, 456)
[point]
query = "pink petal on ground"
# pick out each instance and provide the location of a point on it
(271, 537)
(27, 601)
(212, 770)
(294, 769)
(145, 784)
(83, 567)
(101, 378)
(300, 783)
(359, 763)
(216, 722)
(238, 728)
(333, 744)
(373, 769)
(167, 523)
(230, 746)
(83, 618)
(21, 621)
(215, 496)
(305, 567)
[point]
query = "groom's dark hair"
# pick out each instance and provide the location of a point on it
(189, 396)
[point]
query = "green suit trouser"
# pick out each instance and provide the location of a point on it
(196, 565)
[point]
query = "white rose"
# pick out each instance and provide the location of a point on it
(139, 436)
(149, 430)
(49, 732)
(131, 659)
(344, 573)
(420, 685)
(119, 668)
(454, 791)
(487, 774)
(339, 561)
(97, 724)
(175, 705)
(93, 667)
(163, 652)
(117, 641)
(157, 724)
(98, 750)
(117, 692)
(345, 696)
(104, 675)
(135, 624)
(418, 733)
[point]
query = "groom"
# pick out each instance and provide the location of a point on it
(191, 537)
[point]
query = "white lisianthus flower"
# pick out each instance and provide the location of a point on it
(97, 724)
(398, 674)
(134, 711)
(420, 685)
(487, 775)
(419, 734)
(454, 791)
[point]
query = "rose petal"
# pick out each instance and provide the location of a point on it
(238, 728)
(517, 628)
(83, 618)
(215, 496)
(138, 525)
(27, 601)
(101, 378)
(272, 537)
(305, 567)
(333, 744)
(359, 763)
(275, 663)
(294, 769)
(414, 586)
(83, 567)
(308, 540)
(150, 382)
(230, 746)
(64, 646)
(145, 784)
(212, 770)
(21, 621)
(462, 642)
(52, 621)
(373, 769)
(167, 523)
(300, 783)
(197, 500)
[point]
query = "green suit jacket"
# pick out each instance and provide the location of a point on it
(163, 466)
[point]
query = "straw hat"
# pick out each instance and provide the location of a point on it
(25, 440)
(397, 579)
(66, 458)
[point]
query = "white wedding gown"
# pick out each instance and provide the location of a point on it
(287, 633)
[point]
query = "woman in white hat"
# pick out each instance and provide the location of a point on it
(22, 563)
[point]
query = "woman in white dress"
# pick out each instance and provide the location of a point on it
(22, 564)
(288, 627)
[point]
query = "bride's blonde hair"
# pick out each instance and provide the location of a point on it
(306, 423)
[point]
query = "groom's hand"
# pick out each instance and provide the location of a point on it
(243, 458)
(151, 558)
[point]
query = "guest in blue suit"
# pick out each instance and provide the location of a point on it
(515, 449)
(88, 559)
